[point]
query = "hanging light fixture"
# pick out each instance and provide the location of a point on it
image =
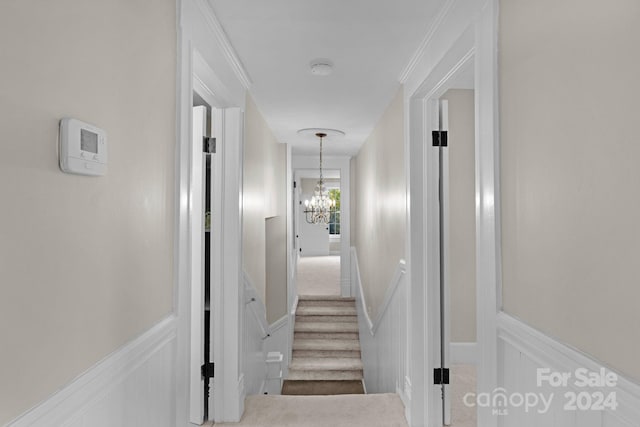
(318, 210)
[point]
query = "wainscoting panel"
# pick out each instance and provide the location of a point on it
(384, 341)
(256, 331)
(135, 386)
(279, 341)
(527, 356)
(259, 339)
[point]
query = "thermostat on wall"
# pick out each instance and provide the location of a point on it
(83, 148)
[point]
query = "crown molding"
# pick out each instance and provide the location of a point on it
(441, 15)
(222, 38)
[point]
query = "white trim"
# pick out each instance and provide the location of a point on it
(208, 85)
(355, 265)
(256, 305)
(202, 48)
(396, 281)
(488, 240)
(467, 30)
(196, 241)
(545, 351)
(426, 40)
(292, 258)
(280, 342)
(280, 323)
(229, 52)
(233, 293)
(97, 384)
(398, 276)
(463, 353)
(292, 324)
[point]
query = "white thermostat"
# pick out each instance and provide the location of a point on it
(83, 148)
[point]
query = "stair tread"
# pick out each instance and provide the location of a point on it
(326, 311)
(326, 327)
(325, 364)
(326, 344)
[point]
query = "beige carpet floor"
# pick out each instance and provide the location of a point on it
(319, 275)
(463, 381)
(370, 410)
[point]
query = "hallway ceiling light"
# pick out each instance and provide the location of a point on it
(318, 210)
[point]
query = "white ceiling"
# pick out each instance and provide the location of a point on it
(370, 42)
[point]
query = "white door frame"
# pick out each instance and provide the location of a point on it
(477, 41)
(228, 397)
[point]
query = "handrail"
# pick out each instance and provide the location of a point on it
(397, 278)
(259, 309)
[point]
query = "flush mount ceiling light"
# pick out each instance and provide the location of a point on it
(318, 210)
(321, 67)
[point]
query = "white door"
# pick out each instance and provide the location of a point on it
(314, 238)
(442, 123)
(196, 386)
(206, 224)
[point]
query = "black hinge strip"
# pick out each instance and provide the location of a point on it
(208, 370)
(208, 145)
(441, 376)
(440, 138)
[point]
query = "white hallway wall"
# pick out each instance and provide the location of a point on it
(569, 229)
(87, 262)
(144, 381)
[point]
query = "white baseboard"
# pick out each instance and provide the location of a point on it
(522, 350)
(133, 386)
(463, 353)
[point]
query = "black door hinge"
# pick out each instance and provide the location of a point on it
(208, 370)
(441, 376)
(439, 138)
(294, 184)
(208, 145)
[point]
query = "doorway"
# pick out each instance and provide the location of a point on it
(318, 245)
(477, 46)
(457, 235)
(205, 262)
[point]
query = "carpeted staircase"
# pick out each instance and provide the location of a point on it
(326, 348)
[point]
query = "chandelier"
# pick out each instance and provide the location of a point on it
(318, 210)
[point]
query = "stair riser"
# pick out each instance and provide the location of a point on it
(343, 319)
(325, 335)
(324, 375)
(326, 304)
(326, 345)
(326, 311)
(326, 353)
(327, 327)
(322, 387)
